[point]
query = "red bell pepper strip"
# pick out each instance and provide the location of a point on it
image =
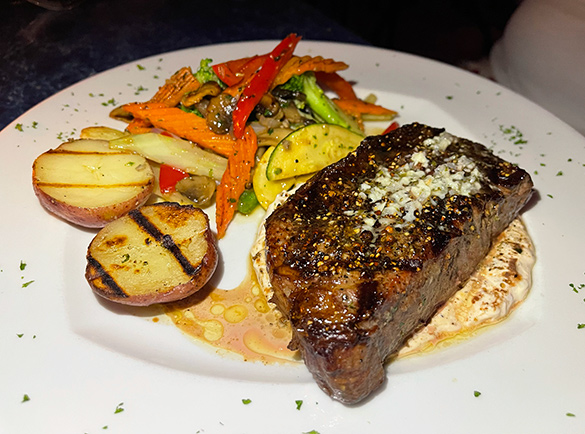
(225, 74)
(391, 127)
(251, 67)
(234, 71)
(168, 178)
(261, 82)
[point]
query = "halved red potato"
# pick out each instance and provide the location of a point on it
(154, 254)
(89, 184)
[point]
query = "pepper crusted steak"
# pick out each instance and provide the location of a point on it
(366, 251)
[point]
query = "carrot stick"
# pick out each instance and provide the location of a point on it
(357, 107)
(170, 94)
(186, 125)
(337, 84)
(139, 126)
(234, 179)
(180, 83)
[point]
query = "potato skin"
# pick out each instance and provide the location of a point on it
(58, 172)
(102, 276)
(96, 217)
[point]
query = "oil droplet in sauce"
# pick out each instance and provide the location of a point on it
(239, 320)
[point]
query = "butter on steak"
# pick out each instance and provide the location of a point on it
(365, 252)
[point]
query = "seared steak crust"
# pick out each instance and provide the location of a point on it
(357, 272)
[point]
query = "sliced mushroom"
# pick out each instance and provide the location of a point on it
(292, 113)
(219, 113)
(199, 189)
(211, 88)
(268, 106)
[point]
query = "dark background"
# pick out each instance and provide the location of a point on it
(448, 30)
(45, 49)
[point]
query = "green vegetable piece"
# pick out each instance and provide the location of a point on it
(323, 107)
(310, 149)
(247, 202)
(206, 73)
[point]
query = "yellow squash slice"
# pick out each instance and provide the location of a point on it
(310, 149)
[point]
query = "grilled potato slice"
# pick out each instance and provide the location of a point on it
(89, 184)
(154, 254)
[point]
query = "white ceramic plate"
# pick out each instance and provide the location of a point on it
(87, 366)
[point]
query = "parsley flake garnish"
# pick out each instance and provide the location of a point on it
(119, 408)
(246, 401)
(476, 393)
(299, 403)
(140, 67)
(22, 265)
(25, 284)
(18, 127)
(514, 134)
(140, 89)
(111, 101)
(580, 326)
(571, 414)
(25, 398)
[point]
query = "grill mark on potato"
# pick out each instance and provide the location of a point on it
(165, 241)
(105, 277)
(84, 153)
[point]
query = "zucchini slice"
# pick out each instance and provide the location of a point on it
(310, 149)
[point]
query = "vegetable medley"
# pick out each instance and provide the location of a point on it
(246, 129)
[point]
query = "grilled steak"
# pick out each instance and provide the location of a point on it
(368, 249)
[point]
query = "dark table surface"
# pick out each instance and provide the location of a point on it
(45, 50)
